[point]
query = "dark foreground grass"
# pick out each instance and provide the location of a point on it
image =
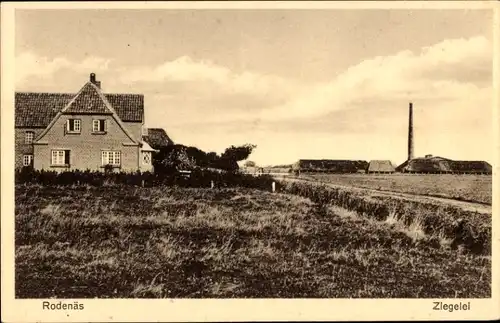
(127, 242)
(465, 228)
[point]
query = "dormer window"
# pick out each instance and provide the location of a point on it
(28, 137)
(99, 126)
(74, 126)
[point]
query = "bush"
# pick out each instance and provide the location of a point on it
(86, 177)
(469, 229)
(179, 157)
(196, 179)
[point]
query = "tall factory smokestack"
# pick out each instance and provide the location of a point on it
(410, 133)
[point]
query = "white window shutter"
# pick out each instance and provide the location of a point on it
(67, 125)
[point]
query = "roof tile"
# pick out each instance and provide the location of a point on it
(36, 110)
(88, 100)
(157, 138)
(380, 166)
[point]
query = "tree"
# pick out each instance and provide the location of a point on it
(232, 155)
(179, 157)
(250, 163)
(238, 153)
(198, 156)
(173, 158)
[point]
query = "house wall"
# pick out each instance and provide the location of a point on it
(21, 148)
(134, 128)
(145, 167)
(86, 146)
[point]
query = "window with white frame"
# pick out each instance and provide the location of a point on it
(28, 137)
(146, 157)
(60, 157)
(27, 160)
(74, 125)
(99, 125)
(111, 157)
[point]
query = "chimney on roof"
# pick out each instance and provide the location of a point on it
(410, 133)
(94, 81)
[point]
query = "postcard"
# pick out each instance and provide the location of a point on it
(250, 161)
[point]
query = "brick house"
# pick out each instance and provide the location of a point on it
(86, 130)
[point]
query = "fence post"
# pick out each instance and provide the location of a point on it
(274, 187)
(211, 184)
(142, 183)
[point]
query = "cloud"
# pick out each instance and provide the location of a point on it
(446, 71)
(187, 70)
(29, 65)
(435, 73)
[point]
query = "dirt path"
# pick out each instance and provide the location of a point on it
(468, 206)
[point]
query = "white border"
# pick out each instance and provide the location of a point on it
(128, 310)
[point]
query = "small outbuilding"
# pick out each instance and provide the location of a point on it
(380, 167)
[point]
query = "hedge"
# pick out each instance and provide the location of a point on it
(197, 178)
(469, 229)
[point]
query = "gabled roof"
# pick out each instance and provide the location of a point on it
(36, 110)
(380, 166)
(88, 100)
(129, 107)
(157, 138)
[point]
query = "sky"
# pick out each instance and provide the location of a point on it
(299, 84)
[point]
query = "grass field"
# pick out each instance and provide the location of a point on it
(128, 242)
(474, 188)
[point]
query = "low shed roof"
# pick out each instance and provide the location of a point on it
(380, 166)
(331, 165)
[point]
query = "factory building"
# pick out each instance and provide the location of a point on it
(435, 164)
(413, 165)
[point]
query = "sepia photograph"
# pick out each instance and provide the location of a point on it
(255, 153)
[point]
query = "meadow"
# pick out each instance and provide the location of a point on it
(473, 188)
(122, 241)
